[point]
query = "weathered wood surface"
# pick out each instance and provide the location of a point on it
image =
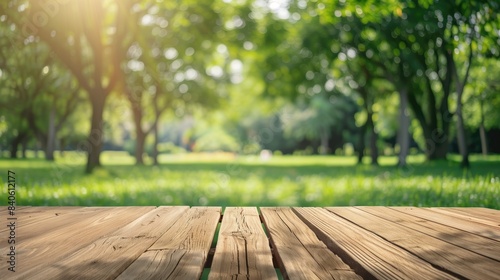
(30, 215)
(179, 242)
(107, 256)
(301, 253)
(439, 253)
(367, 252)
(243, 248)
(53, 237)
(181, 252)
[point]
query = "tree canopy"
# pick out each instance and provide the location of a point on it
(242, 75)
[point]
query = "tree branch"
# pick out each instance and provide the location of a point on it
(91, 26)
(419, 114)
(118, 46)
(64, 54)
(461, 84)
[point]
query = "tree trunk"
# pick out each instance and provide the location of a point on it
(140, 136)
(323, 150)
(373, 139)
(14, 144)
(373, 147)
(137, 114)
(460, 86)
(13, 148)
(437, 151)
(24, 147)
(436, 140)
(462, 145)
(155, 144)
(484, 144)
(482, 131)
(51, 136)
(361, 143)
(140, 139)
(94, 143)
(404, 126)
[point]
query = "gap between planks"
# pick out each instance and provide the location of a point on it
(181, 251)
(301, 254)
(242, 248)
(446, 256)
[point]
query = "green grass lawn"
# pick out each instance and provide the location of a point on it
(248, 181)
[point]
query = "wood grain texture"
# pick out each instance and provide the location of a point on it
(107, 256)
(472, 242)
(369, 254)
(300, 253)
(68, 223)
(181, 252)
(306, 243)
(488, 231)
(40, 243)
(29, 215)
(441, 254)
(478, 215)
(243, 248)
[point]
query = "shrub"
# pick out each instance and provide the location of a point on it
(216, 140)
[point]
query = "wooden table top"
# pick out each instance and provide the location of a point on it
(179, 242)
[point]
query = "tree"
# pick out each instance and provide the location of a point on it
(90, 38)
(418, 42)
(483, 98)
(315, 120)
(14, 88)
(343, 47)
(44, 95)
(298, 65)
(167, 62)
(471, 24)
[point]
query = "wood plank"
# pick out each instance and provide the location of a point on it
(478, 212)
(470, 226)
(367, 253)
(40, 243)
(440, 254)
(19, 207)
(475, 243)
(242, 248)
(300, 253)
(181, 252)
(59, 223)
(474, 215)
(29, 215)
(107, 256)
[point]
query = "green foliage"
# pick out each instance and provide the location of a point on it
(33, 86)
(315, 119)
(163, 147)
(170, 148)
(215, 140)
(483, 95)
(129, 147)
(285, 180)
(386, 116)
(250, 75)
(265, 132)
(421, 47)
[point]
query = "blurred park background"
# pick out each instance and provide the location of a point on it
(251, 102)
